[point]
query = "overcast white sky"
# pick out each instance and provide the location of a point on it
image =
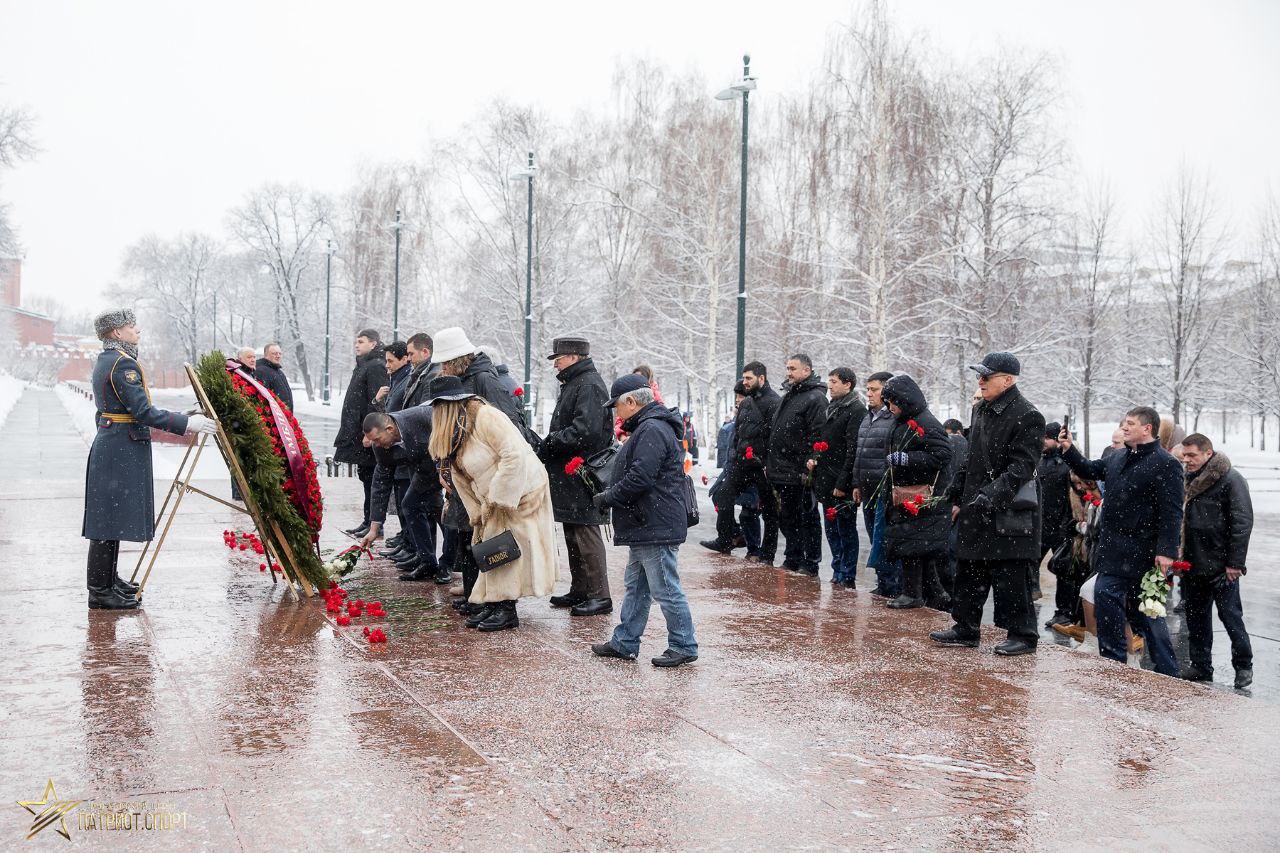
(158, 116)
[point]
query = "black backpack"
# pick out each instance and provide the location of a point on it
(690, 502)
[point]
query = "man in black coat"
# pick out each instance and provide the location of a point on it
(959, 458)
(796, 428)
(401, 440)
(1056, 523)
(271, 374)
(1216, 527)
(390, 398)
(1139, 528)
(997, 540)
(751, 448)
(832, 481)
(581, 426)
(369, 374)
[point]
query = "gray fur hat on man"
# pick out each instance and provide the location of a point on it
(105, 324)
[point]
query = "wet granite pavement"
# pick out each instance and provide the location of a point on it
(815, 718)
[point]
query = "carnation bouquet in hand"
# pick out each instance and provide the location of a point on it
(344, 562)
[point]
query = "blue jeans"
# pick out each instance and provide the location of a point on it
(1115, 599)
(651, 574)
(749, 521)
(888, 572)
(421, 513)
(842, 537)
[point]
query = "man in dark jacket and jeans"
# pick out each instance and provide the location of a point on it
(867, 468)
(751, 448)
(997, 540)
(831, 474)
(400, 442)
(581, 426)
(1215, 541)
(1139, 528)
(369, 375)
(650, 516)
(796, 428)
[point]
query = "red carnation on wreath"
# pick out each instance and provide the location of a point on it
(312, 509)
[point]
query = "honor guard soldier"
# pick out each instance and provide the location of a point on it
(119, 499)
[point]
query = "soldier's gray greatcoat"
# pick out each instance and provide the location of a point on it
(119, 498)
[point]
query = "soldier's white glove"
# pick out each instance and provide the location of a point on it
(201, 424)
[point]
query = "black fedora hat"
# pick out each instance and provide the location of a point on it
(445, 388)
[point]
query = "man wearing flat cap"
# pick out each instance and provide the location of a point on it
(997, 520)
(119, 497)
(581, 426)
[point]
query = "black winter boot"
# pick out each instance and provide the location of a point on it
(502, 617)
(101, 578)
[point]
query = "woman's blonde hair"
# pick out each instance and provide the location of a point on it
(445, 416)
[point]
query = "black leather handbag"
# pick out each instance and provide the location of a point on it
(496, 551)
(1020, 518)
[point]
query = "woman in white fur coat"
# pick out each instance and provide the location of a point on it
(487, 464)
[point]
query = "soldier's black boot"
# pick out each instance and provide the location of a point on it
(101, 578)
(119, 584)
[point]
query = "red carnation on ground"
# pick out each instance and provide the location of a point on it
(343, 621)
(571, 467)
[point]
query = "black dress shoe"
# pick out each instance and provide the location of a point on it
(1013, 647)
(717, 546)
(764, 559)
(592, 607)
(466, 608)
(357, 532)
(877, 590)
(753, 553)
(480, 615)
(501, 618)
(1244, 677)
(409, 559)
(905, 602)
(393, 544)
(442, 576)
(811, 571)
(790, 565)
(124, 587)
(673, 658)
(1059, 619)
(568, 600)
(607, 650)
(952, 637)
(392, 551)
(107, 598)
(739, 542)
(416, 573)
(1195, 673)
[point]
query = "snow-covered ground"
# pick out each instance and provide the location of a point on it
(11, 389)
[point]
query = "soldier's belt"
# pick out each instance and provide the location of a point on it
(118, 419)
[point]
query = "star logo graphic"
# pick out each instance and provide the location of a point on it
(53, 810)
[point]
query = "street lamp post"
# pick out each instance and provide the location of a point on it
(527, 173)
(328, 269)
(395, 305)
(742, 89)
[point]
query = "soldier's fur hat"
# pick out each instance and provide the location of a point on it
(105, 324)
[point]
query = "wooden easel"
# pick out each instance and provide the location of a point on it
(273, 539)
